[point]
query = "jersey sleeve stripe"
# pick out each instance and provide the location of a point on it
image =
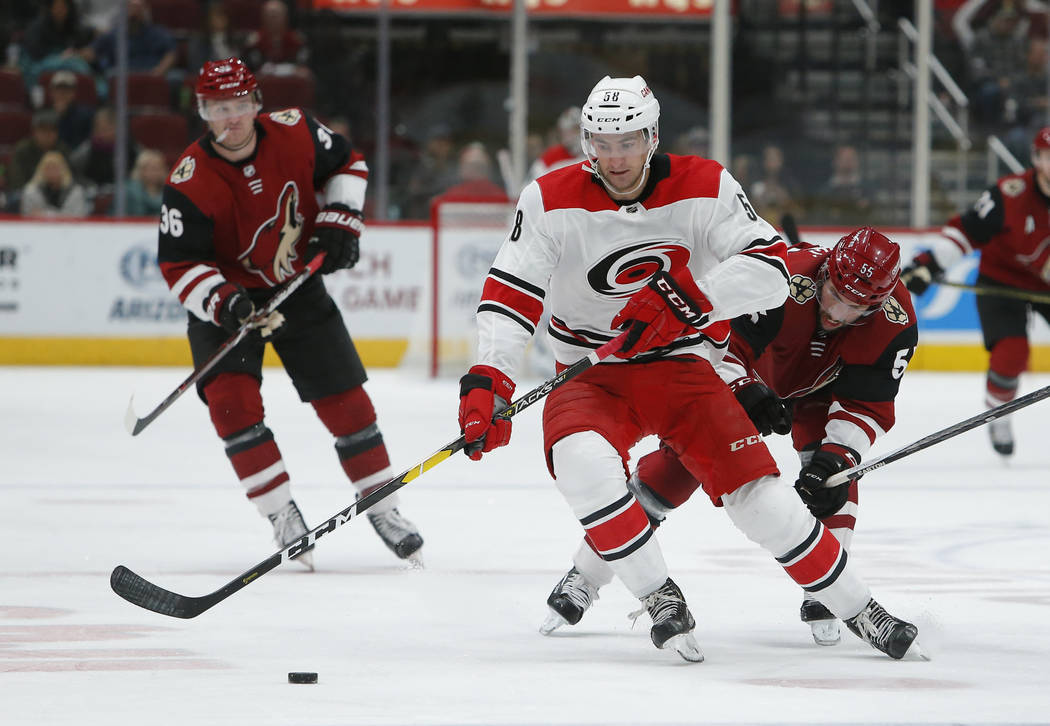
(513, 281)
(772, 252)
(957, 236)
(191, 279)
(499, 293)
(492, 307)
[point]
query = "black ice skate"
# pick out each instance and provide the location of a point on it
(397, 533)
(1002, 436)
(288, 526)
(822, 623)
(568, 601)
(883, 631)
(672, 622)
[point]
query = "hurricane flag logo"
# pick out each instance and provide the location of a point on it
(623, 272)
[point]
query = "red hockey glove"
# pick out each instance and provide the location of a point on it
(479, 393)
(668, 307)
(768, 412)
(229, 306)
(921, 273)
(337, 231)
(823, 501)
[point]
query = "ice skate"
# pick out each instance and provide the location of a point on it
(568, 601)
(400, 535)
(823, 625)
(672, 622)
(883, 631)
(288, 526)
(1002, 436)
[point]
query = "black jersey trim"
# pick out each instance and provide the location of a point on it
(505, 311)
(517, 282)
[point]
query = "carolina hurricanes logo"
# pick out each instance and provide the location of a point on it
(272, 250)
(623, 272)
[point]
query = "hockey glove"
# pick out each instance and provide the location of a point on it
(229, 306)
(921, 273)
(665, 309)
(481, 391)
(337, 231)
(823, 501)
(767, 411)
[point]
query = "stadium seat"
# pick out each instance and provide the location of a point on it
(181, 17)
(285, 91)
(14, 126)
(244, 15)
(13, 95)
(162, 131)
(147, 93)
(87, 94)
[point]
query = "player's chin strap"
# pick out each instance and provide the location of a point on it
(935, 438)
(139, 591)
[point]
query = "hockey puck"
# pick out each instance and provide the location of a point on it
(297, 677)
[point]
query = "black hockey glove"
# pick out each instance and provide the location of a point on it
(821, 500)
(337, 231)
(229, 306)
(921, 273)
(767, 411)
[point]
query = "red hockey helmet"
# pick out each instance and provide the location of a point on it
(1042, 138)
(227, 80)
(864, 267)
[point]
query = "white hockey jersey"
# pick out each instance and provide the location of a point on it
(583, 254)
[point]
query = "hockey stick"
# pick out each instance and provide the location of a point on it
(134, 424)
(1026, 295)
(787, 223)
(937, 437)
(140, 591)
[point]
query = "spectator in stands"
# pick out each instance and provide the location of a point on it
(215, 41)
(775, 193)
(1028, 99)
(995, 55)
(52, 192)
(74, 119)
(43, 137)
(275, 47)
(475, 180)
(93, 160)
(146, 186)
(151, 48)
(55, 39)
(434, 172)
(566, 148)
(845, 199)
(693, 142)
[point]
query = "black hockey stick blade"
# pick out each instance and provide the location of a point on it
(139, 591)
(938, 436)
(135, 425)
(787, 224)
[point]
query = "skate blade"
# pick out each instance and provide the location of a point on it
(414, 561)
(916, 653)
(306, 559)
(552, 623)
(686, 646)
(826, 632)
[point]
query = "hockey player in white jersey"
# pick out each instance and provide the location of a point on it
(669, 249)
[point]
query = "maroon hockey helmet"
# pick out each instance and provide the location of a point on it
(1042, 138)
(864, 266)
(226, 79)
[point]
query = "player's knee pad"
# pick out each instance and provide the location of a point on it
(346, 413)
(589, 472)
(234, 402)
(663, 475)
(770, 514)
(1009, 358)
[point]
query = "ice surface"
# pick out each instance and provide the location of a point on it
(949, 537)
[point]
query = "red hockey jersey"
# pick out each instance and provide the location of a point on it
(248, 222)
(858, 366)
(1010, 224)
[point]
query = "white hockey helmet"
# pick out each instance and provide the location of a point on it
(618, 106)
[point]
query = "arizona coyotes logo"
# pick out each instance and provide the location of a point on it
(184, 170)
(272, 250)
(288, 117)
(625, 271)
(801, 288)
(1012, 187)
(894, 311)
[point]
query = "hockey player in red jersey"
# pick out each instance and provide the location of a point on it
(668, 249)
(1010, 225)
(825, 367)
(240, 216)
